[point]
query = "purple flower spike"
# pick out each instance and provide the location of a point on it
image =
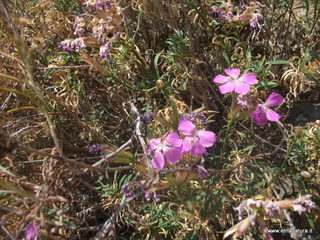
(66, 45)
(78, 44)
(234, 83)
(94, 148)
(299, 208)
(195, 141)
(147, 117)
(168, 147)
(263, 112)
(240, 209)
(272, 209)
(32, 231)
(78, 26)
(127, 190)
(148, 195)
(105, 51)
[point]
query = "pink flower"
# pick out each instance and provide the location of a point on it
(168, 147)
(263, 112)
(234, 83)
(196, 141)
(32, 231)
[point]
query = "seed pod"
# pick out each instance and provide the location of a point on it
(311, 170)
(305, 174)
(159, 84)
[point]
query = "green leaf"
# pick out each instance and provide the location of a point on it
(311, 223)
(155, 62)
(277, 62)
(264, 85)
(248, 148)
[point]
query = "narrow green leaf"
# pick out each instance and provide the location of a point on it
(277, 62)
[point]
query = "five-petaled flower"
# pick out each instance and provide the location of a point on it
(263, 112)
(195, 141)
(234, 82)
(168, 147)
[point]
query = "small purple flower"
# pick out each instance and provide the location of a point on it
(201, 171)
(127, 190)
(195, 116)
(147, 117)
(306, 201)
(103, 4)
(168, 147)
(254, 203)
(309, 204)
(217, 12)
(254, 21)
(105, 51)
(234, 82)
(272, 209)
(240, 210)
(94, 148)
(263, 112)
(151, 194)
(78, 26)
(196, 141)
(299, 208)
(66, 45)
(32, 231)
(90, 5)
(78, 44)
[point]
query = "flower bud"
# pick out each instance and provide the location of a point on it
(159, 84)
(305, 174)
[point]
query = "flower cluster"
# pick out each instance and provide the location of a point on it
(94, 148)
(98, 29)
(272, 209)
(247, 15)
(241, 85)
(303, 203)
(170, 148)
(259, 211)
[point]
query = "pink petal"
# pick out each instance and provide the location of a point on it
(197, 149)
(153, 144)
(227, 87)
(242, 88)
(221, 79)
(186, 127)
(173, 139)
(158, 160)
(207, 138)
(173, 155)
(233, 72)
(259, 116)
(249, 78)
(272, 115)
(274, 99)
(186, 144)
